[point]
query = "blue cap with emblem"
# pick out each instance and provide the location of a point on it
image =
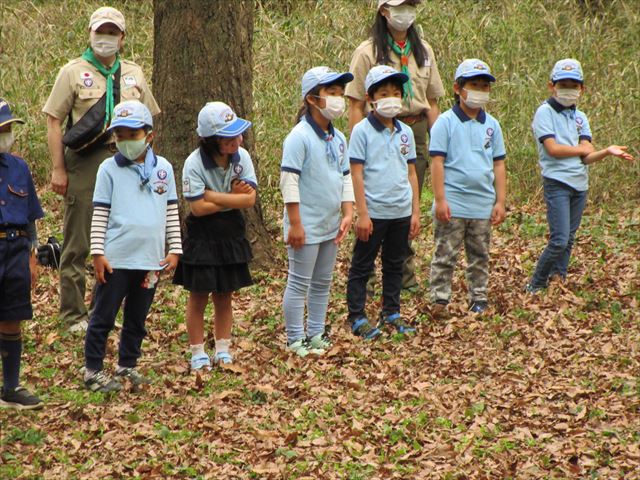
(6, 117)
(131, 114)
(322, 76)
(383, 72)
(567, 69)
(217, 118)
(473, 67)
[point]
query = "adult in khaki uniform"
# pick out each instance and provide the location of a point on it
(80, 85)
(396, 42)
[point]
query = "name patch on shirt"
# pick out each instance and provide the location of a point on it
(129, 80)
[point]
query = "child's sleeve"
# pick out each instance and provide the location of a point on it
(192, 182)
(248, 174)
(499, 151)
(585, 130)
(357, 145)
(412, 157)
(293, 155)
(347, 183)
(174, 241)
(439, 140)
(101, 210)
(543, 124)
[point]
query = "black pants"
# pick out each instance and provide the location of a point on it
(393, 236)
(139, 292)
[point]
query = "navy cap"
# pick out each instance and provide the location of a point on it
(6, 117)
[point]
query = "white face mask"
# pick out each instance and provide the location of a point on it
(567, 97)
(334, 107)
(105, 45)
(401, 17)
(476, 99)
(132, 149)
(6, 142)
(389, 107)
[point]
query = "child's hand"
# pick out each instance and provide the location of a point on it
(345, 223)
(619, 151)
(443, 212)
(101, 265)
(414, 229)
(364, 228)
(498, 214)
(239, 186)
(296, 236)
(33, 268)
(170, 262)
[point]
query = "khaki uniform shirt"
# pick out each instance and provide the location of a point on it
(425, 79)
(80, 85)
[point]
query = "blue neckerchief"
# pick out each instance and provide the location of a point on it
(330, 148)
(144, 169)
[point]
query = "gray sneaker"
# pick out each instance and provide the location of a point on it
(19, 398)
(103, 383)
(131, 374)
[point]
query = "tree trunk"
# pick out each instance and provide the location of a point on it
(203, 52)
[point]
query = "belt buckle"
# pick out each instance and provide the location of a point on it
(11, 233)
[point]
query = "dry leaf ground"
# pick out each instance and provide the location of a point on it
(542, 387)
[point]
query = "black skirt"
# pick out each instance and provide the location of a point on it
(215, 255)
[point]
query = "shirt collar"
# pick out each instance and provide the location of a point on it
(209, 163)
(377, 124)
(123, 161)
(463, 117)
(316, 128)
(557, 106)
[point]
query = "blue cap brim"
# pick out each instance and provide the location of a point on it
(488, 76)
(337, 78)
(234, 129)
(568, 76)
(127, 123)
(11, 120)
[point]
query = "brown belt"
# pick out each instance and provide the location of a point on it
(411, 119)
(11, 234)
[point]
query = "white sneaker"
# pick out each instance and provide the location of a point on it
(79, 327)
(302, 348)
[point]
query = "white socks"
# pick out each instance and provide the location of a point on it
(197, 349)
(223, 345)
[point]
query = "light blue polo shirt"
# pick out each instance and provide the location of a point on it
(385, 154)
(135, 237)
(469, 147)
(200, 172)
(320, 160)
(568, 126)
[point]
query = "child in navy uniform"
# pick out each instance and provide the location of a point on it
(135, 212)
(469, 179)
(19, 209)
(218, 180)
(316, 185)
(383, 155)
(563, 138)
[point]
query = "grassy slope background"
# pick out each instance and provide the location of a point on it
(542, 388)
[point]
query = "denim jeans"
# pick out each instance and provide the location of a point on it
(564, 213)
(310, 275)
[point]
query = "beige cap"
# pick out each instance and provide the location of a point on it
(392, 3)
(106, 15)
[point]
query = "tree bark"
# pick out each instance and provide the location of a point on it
(203, 52)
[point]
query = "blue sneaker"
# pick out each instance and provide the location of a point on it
(395, 320)
(200, 361)
(223, 357)
(478, 307)
(362, 328)
(533, 289)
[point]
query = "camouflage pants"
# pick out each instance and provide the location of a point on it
(448, 238)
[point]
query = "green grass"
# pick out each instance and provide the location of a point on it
(520, 41)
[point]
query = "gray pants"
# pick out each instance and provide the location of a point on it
(448, 237)
(309, 281)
